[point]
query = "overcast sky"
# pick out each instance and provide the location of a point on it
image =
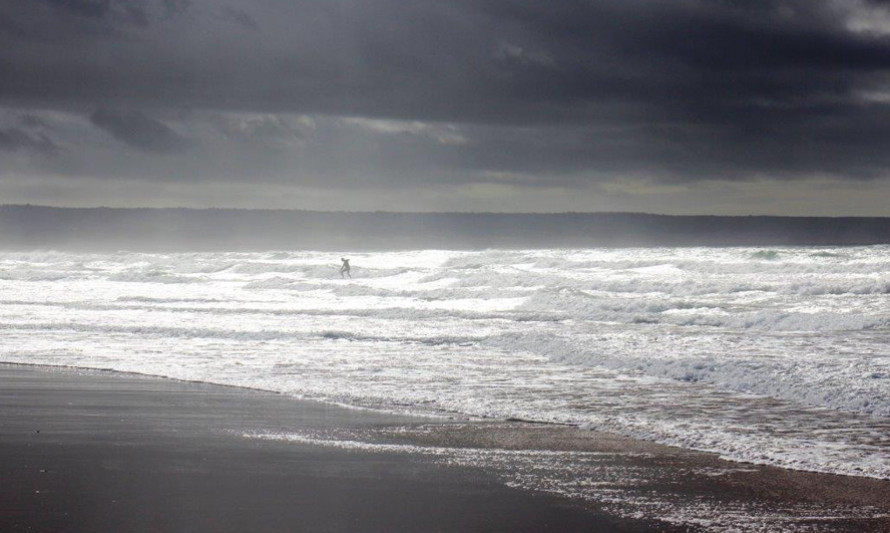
(667, 106)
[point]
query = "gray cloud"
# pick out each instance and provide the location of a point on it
(86, 8)
(140, 131)
(348, 93)
(240, 17)
(137, 12)
(18, 139)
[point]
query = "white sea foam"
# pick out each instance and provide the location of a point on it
(774, 356)
(613, 481)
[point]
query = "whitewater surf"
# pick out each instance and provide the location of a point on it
(775, 356)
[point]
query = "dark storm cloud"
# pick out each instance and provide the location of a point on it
(86, 8)
(138, 130)
(563, 91)
(18, 139)
(128, 11)
(239, 16)
(504, 61)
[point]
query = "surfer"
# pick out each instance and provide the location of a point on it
(344, 270)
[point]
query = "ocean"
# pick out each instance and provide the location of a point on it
(773, 356)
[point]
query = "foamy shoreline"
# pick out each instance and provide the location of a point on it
(607, 474)
(776, 356)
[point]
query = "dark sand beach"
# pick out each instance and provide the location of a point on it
(103, 452)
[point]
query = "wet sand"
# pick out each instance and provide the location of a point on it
(740, 496)
(103, 452)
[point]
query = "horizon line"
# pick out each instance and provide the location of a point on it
(384, 212)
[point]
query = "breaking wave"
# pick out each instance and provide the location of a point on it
(710, 348)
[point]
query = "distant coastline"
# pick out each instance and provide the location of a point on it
(25, 227)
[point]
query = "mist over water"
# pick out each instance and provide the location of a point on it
(771, 355)
(190, 230)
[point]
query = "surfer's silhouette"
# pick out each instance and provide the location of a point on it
(344, 270)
